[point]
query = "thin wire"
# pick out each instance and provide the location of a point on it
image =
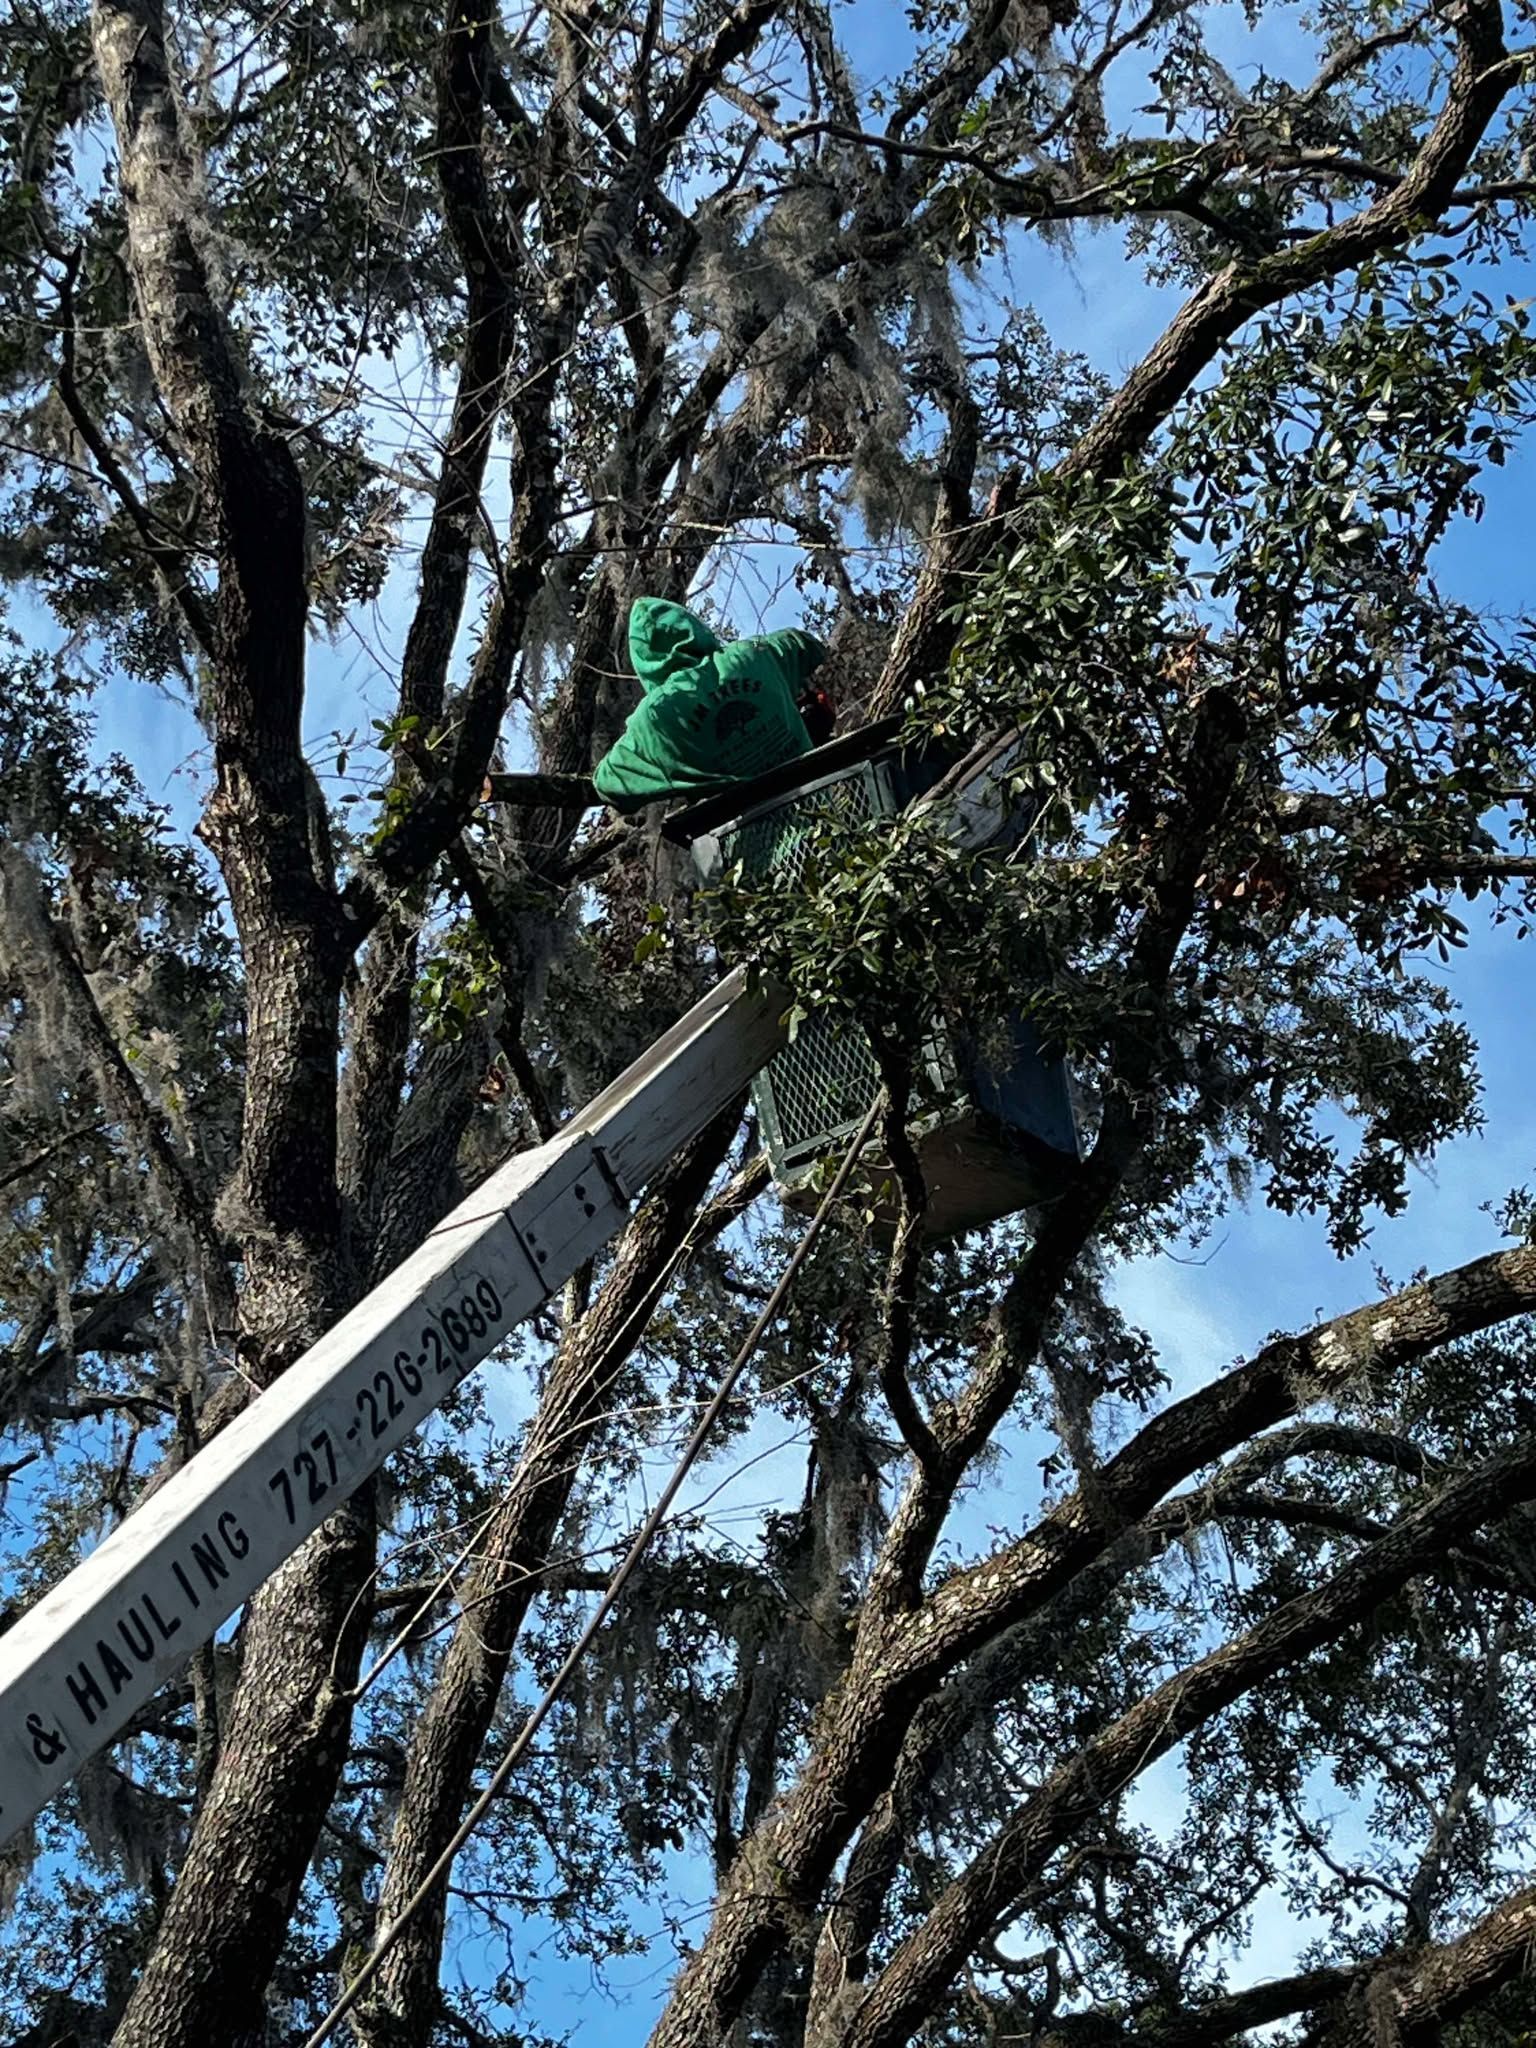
(552, 1692)
(628, 1333)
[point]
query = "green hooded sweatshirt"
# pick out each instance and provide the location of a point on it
(711, 714)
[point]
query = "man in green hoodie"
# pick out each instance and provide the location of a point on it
(712, 714)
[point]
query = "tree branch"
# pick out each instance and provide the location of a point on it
(595, 853)
(905, 1262)
(1208, 773)
(47, 960)
(491, 268)
(1427, 1991)
(814, 1821)
(556, 792)
(1010, 1659)
(1417, 1994)
(1482, 74)
(171, 561)
(248, 474)
(444, 805)
(23, 1168)
(464, 65)
(503, 943)
(915, 1979)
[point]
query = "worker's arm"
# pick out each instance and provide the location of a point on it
(628, 779)
(654, 760)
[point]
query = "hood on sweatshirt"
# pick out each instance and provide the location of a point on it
(666, 640)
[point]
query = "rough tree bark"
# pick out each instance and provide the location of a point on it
(772, 1894)
(286, 1739)
(577, 1401)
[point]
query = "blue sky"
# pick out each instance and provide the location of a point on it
(1262, 1272)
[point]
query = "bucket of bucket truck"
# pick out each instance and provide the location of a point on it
(997, 1132)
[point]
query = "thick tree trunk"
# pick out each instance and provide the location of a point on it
(447, 1741)
(204, 1982)
(286, 1741)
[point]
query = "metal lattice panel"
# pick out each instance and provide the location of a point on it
(990, 1141)
(821, 1084)
(775, 840)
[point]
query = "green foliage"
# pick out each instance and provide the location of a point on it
(455, 986)
(801, 350)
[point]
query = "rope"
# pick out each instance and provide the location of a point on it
(605, 1606)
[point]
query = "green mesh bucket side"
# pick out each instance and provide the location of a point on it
(815, 1090)
(773, 842)
(820, 1085)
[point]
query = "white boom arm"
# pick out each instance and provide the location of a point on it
(80, 1663)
